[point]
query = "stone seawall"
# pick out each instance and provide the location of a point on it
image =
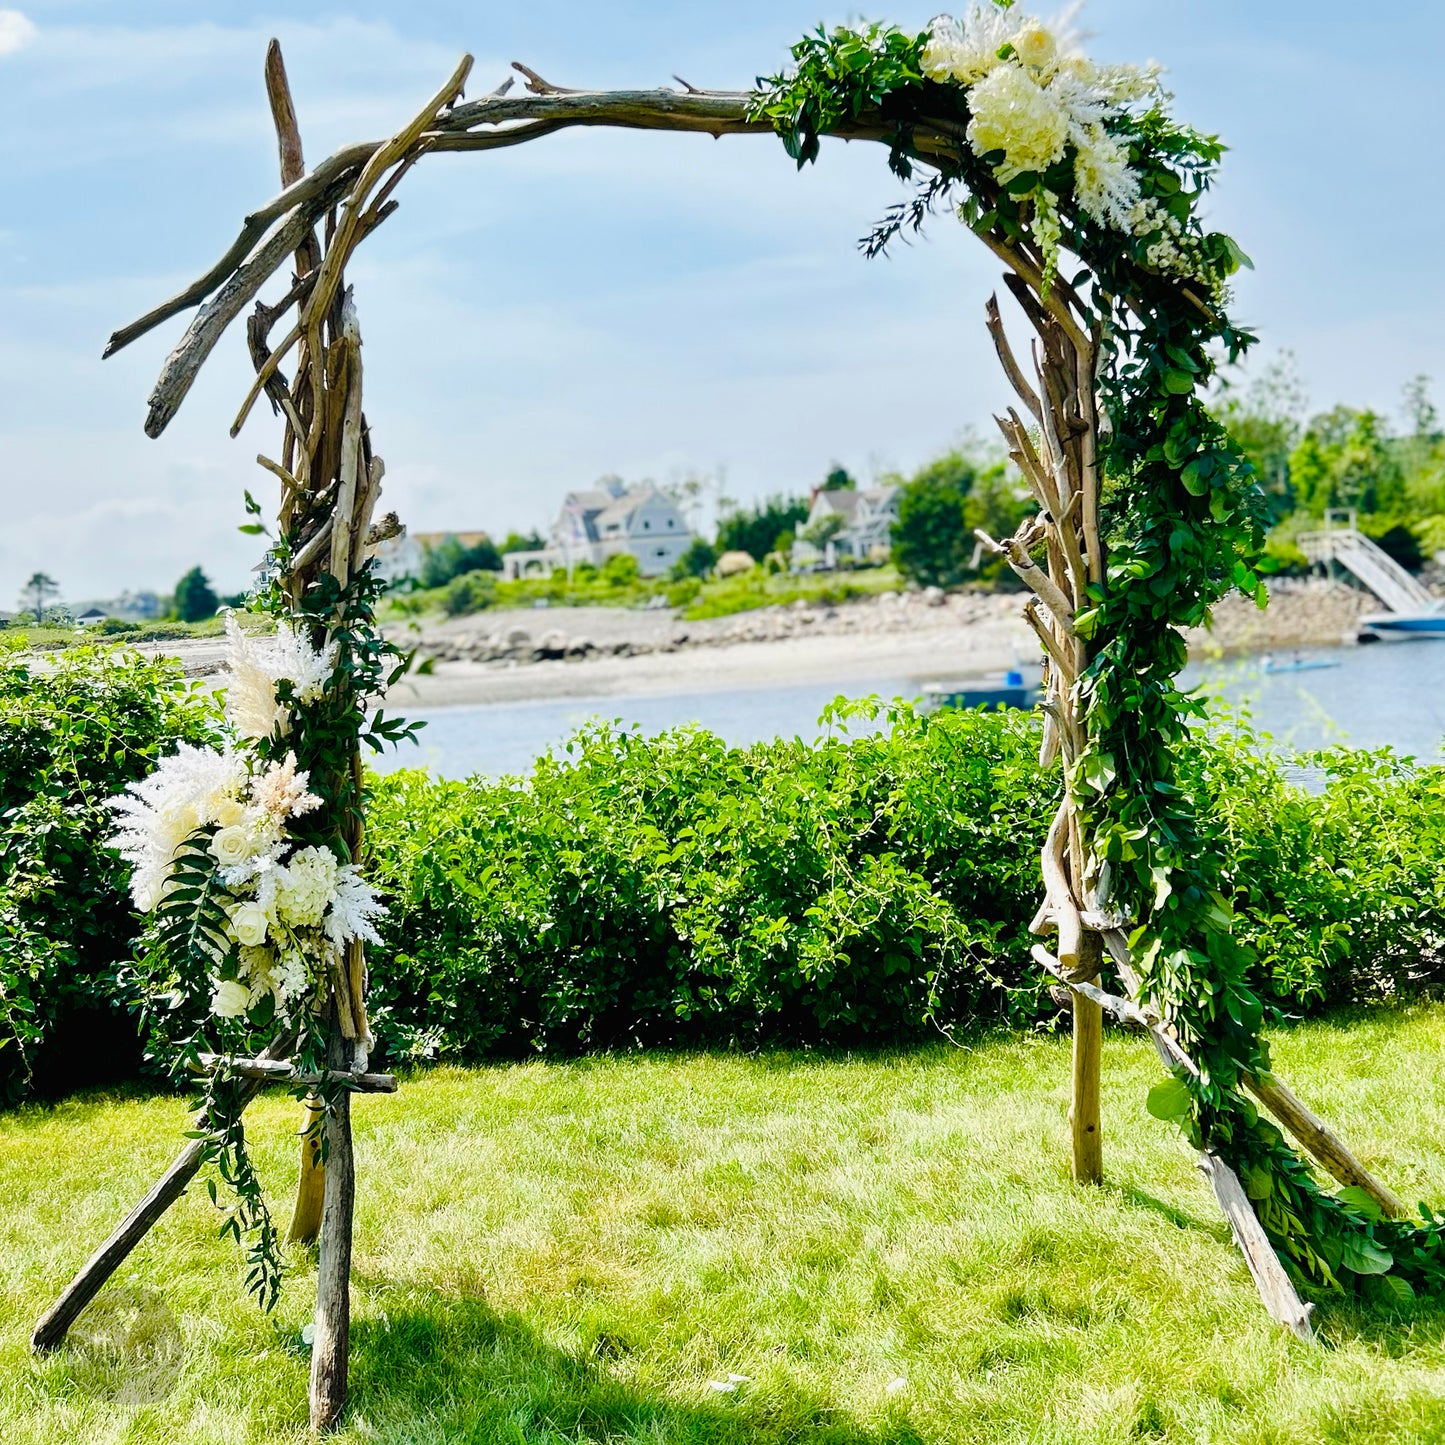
(1301, 613)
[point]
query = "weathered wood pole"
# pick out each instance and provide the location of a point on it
(1085, 1130)
(53, 1325)
(311, 1186)
(331, 1336)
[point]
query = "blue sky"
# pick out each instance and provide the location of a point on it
(601, 302)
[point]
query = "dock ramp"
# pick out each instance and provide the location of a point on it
(1371, 565)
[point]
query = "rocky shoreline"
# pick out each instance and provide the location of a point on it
(895, 641)
(1301, 613)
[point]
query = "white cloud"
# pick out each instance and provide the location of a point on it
(17, 30)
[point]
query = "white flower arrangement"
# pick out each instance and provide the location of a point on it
(288, 910)
(1033, 95)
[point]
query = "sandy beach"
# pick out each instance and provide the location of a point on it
(596, 652)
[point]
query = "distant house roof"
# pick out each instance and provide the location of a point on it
(842, 500)
(92, 613)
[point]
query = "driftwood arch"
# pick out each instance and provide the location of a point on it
(331, 481)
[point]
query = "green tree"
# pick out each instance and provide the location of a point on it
(1264, 422)
(40, 589)
(1346, 459)
(452, 558)
(195, 600)
(933, 541)
(697, 561)
(522, 542)
(755, 529)
(839, 480)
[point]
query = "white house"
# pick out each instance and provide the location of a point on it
(867, 519)
(404, 556)
(599, 523)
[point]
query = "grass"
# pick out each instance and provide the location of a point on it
(715, 597)
(19, 636)
(571, 1252)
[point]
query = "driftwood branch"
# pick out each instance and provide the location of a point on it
(500, 119)
(281, 1071)
(1274, 1285)
(57, 1320)
(1276, 1290)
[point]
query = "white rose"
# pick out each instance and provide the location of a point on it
(230, 999)
(1035, 46)
(229, 813)
(230, 846)
(249, 922)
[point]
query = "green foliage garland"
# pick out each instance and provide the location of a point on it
(1183, 520)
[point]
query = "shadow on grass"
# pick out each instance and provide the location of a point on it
(1138, 1198)
(455, 1370)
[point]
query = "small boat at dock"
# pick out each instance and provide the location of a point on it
(990, 694)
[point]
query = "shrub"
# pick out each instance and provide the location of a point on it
(70, 738)
(471, 592)
(621, 570)
(875, 887)
(674, 890)
(697, 561)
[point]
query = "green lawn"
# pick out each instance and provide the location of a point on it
(573, 1252)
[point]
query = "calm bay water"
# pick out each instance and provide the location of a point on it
(1386, 695)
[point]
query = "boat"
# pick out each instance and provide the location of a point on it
(1401, 626)
(1273, 666)
(988, 694)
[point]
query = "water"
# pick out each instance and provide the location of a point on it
(1386, 695)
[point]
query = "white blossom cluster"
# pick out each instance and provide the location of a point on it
(290, 911)
(1032, 94)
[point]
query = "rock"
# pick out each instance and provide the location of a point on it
(552, 644)
(730, 564)
(518, 637)
(934, 597)
(581, 647)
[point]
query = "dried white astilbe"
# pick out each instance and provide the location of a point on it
(355, 909)
(256, 665)
(189, 789)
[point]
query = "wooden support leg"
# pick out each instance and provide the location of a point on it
(331, 1337)
(311, 1186)
(1321, 1142)
(1084, 1120)
(51, 1329)
(1275, 1288)
(54, 1323)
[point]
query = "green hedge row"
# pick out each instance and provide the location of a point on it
(632, 891)
(867, 889)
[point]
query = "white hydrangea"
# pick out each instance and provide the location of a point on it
(306, 887)
(1014, 114)
(1032, 94)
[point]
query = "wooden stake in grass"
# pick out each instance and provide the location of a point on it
(332, 1324)
(1084, 1115)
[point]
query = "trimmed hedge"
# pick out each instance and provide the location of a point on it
(872, 888)
(71, 735)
